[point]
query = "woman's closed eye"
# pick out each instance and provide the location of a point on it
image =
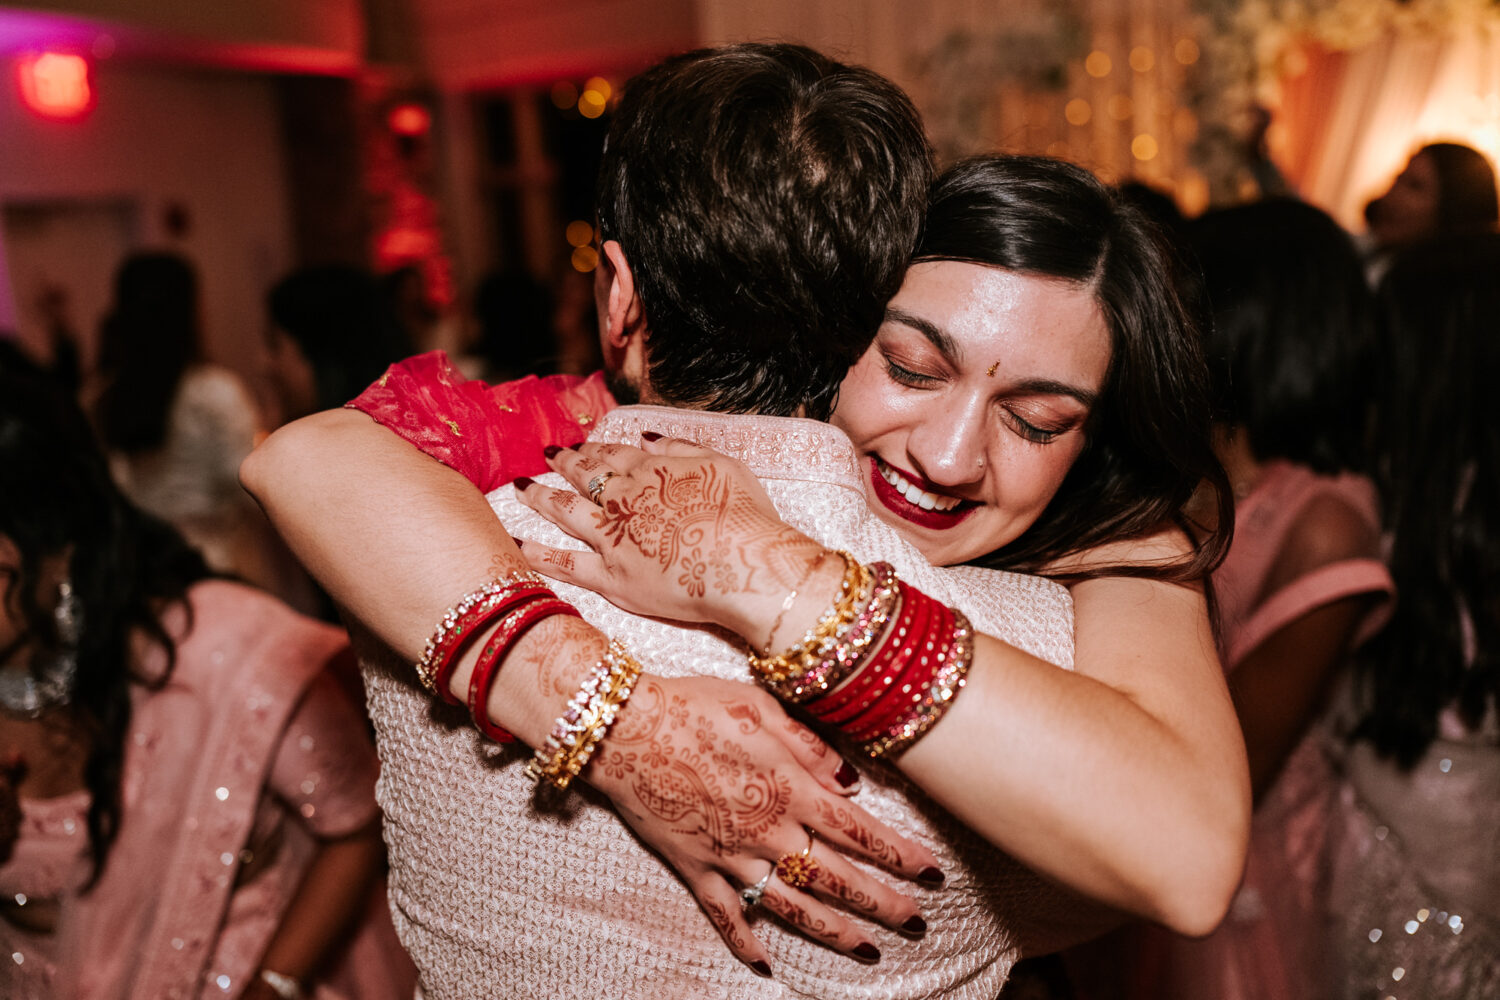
(1033, 432)
(905, 376)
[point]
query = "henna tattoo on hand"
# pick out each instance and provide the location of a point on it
(641, 717)
(561, 558)
(835, 885)
(840, 818)
(795, 913)
(725, 922)
(747, 714)
(813, 740)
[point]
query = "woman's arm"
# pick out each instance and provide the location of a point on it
(331, 898)
(1329, 555)
(1124, 779)
(395, 538)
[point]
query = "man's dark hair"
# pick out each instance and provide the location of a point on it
(768, 200)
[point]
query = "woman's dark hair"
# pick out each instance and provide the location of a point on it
(337, 314)
(767, 199)
(1438, 468)
(1289, 349)
(146, 342)
(56, 498)
(1149, 436)
(1467, 199)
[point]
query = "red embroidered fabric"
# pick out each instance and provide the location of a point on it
(489, 433)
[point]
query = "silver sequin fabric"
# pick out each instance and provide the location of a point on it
(498, 891)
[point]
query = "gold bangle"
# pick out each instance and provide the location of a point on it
(796, 660)
(577, 733)
(786, 605)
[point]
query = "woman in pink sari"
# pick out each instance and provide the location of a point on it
(197, 794)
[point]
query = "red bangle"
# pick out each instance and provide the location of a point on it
(502, 641)
(867, 685)
(899, 700)
(446, 652)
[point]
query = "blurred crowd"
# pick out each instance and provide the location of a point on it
(1359, 615)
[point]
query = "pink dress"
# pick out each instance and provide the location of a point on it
(232, 769)
(1272, 945)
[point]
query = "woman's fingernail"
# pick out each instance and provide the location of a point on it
(930, 876)
(761, 967)
(866, 951)
(846, 775)
(650, 436)
(915, 925)
(551, 451)
(524, 482)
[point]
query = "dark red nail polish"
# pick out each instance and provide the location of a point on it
(866, 951)
(915, 925)
(650, 436)
(551, 451)
(930, 876)
(846, 775)
(761, 968)
(522, 482)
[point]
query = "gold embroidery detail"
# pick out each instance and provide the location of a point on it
(585, 418)
(384, 378)
(505, 409)
(453, 426)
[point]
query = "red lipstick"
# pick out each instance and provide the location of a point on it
(903, 508)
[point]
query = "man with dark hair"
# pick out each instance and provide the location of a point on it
(758, 206)
(765, 201)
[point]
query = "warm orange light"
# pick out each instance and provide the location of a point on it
(1143, 147)
(409, 119)
(56, 84)
(1078, 111)
(1098, 64)
(584, 259)
(579, 233)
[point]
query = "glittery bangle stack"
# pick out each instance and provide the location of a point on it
(464, 620)
(883, 664)
(839, 660)
(589, 714)
(820, 640)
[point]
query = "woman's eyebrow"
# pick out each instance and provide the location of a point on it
(1052, 387)
(934, 333)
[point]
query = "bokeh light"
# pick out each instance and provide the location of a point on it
(580, 233)
(1143, 147)
(1098, 64)
(1078, 111)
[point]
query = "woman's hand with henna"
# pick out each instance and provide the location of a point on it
(717, 779)
(677, 531)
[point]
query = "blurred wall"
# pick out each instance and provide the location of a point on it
(195, 155)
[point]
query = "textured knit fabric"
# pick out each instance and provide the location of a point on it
(490, 433)
(501, 892)
(231, 768)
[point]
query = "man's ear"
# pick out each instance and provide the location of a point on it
(621, 306)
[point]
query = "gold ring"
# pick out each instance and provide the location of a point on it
(798, 870)
(596, 485)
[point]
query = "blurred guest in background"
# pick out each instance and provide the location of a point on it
(1302, 585)
(1446, 189)
(197, 797)
(175, 426)
(1416, 874)
(514, 311)
(332, 335)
